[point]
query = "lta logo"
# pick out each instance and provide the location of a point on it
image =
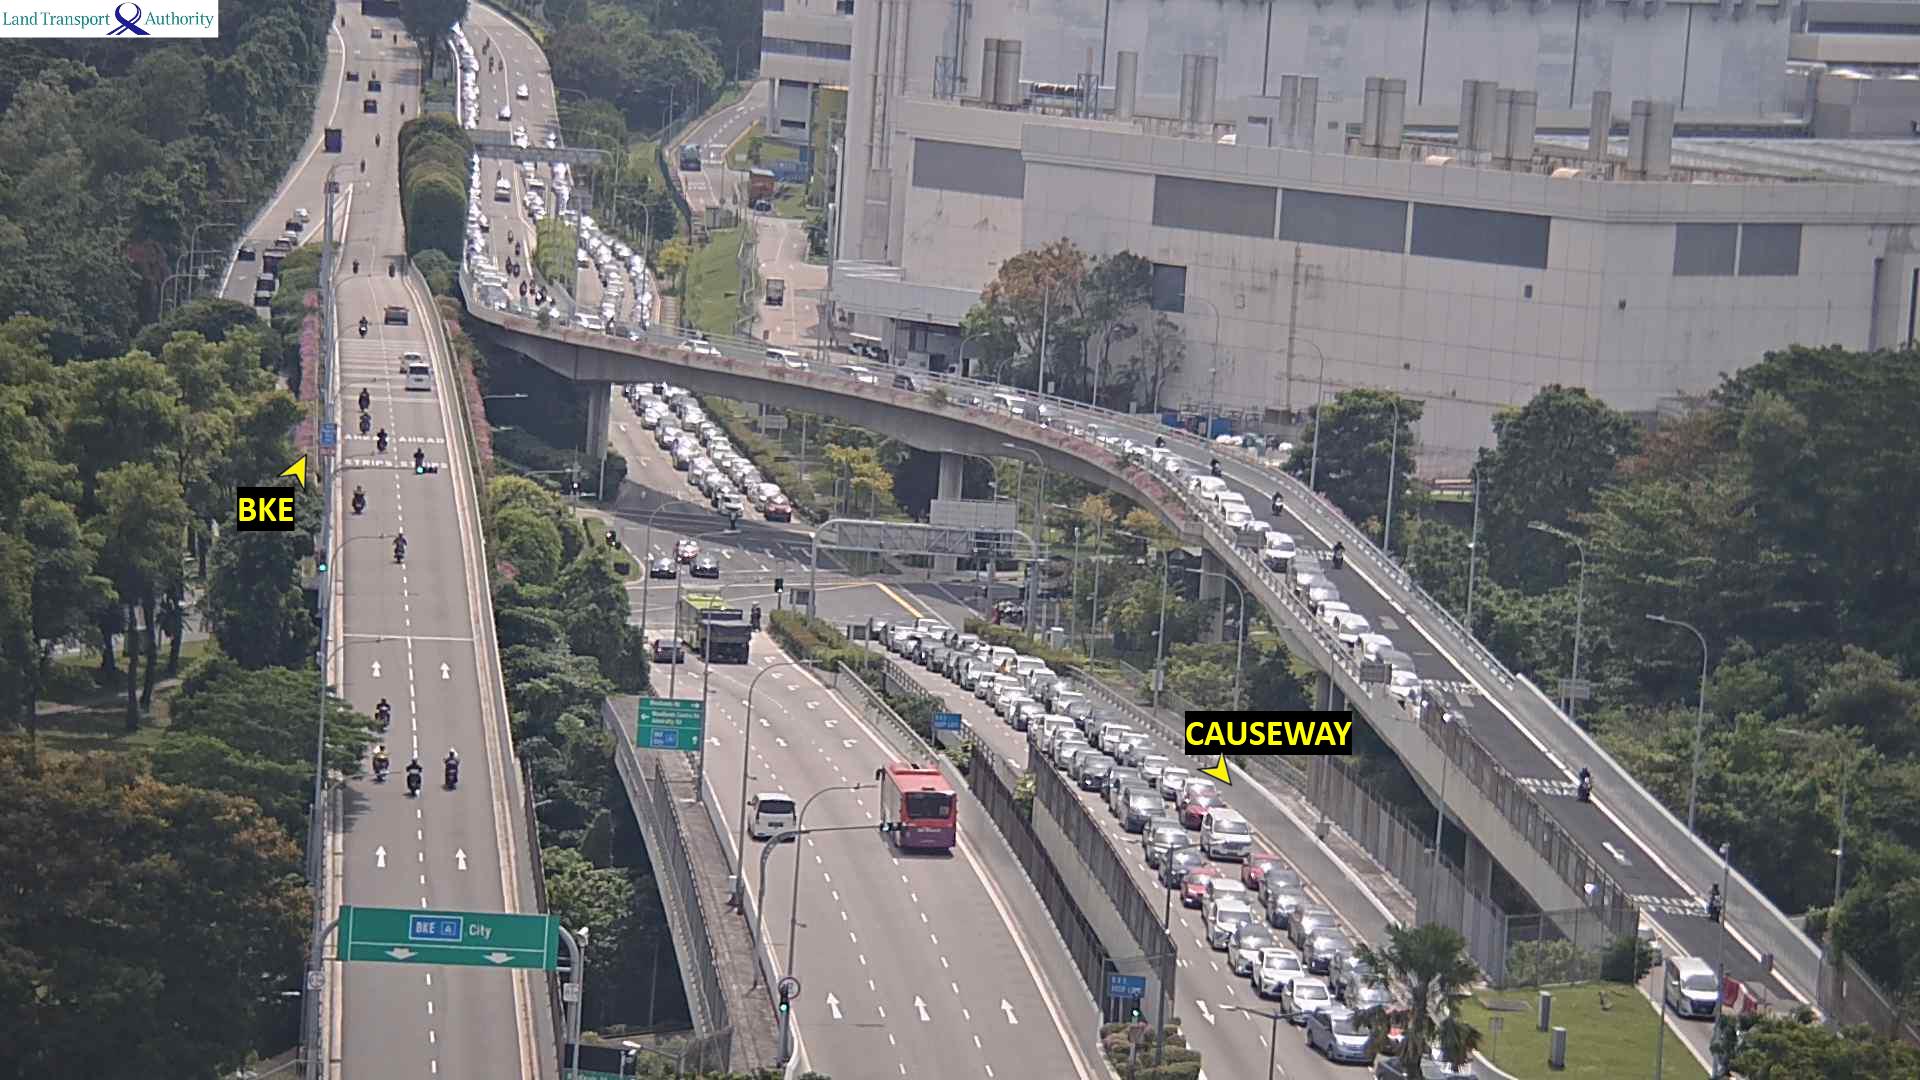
(129, 24)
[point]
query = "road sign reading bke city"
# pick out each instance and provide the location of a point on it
(670, 724)
(459, 938)
(1126, 986)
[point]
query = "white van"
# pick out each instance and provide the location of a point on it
(503, 190)
(785, 358)
(1012, 404)
(1692, 990)
(1208, 487)
(769, 813)
(419, 375)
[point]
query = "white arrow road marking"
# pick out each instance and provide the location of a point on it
(499, 957)
(460, 857)
(847, 744)
(1205, 1013)
(834, 1004)
(1618, 855)
(400, 954)
(763, 721)
(811, 705)
(920, 1005)
(1007, 1007)
(831, 724)
(711, 741)
(376, 669)
(380, 858)
(793, 689)
(782, 742)
(444, 673)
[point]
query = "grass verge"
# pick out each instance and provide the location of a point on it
(1604, 1041)
(713, 283)
(740, 155)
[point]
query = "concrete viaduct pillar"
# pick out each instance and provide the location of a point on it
(599, 413)
(1326, 694)
(953, 468)
(1213, 587)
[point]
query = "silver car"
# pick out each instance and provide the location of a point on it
(1309, 921)
(1332, 1031)
(1228, 916)
(1161, 840)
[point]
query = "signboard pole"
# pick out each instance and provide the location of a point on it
(576, 983)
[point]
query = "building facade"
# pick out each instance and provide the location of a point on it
(1303, 265)
(804, 45)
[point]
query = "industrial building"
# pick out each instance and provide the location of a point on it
(1460, 201)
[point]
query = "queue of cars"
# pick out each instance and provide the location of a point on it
(1289, 949)
(698, 447)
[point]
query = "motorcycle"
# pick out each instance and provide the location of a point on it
(413, 780)
(1214, 467)
(363, 328)
(384, 714)
(356, 266)
(366, 423)
(1159, 442)
(380, 442)
(359, 503)
(1339, 554)
(390, 271)
(755, 620)
(366, 399)
(399, 551)
(453, 775)
(380, 772)
(1584, 790)
(419, 459)
(1714, 905)
(1276, 502)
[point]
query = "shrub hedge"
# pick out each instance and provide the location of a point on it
(435, 155)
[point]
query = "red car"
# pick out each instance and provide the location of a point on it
(1193, 890)
(1195, 809)
(1256, 867)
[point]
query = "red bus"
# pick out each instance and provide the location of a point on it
(918, 798)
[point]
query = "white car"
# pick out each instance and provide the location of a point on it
(520, 91)
(506, 112)
(698, 347)
(1276, 969)
(1279, 547)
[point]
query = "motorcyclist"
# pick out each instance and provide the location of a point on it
(414, 772)
(1160, 442)
(376, 140)
(366, 423)
(359, 498)
(383, 712)
(419, 458)
(756, 616)
(1713, 904)
(1214, 467)
(381, 763)
(1339, 554)
(380, 440)
(363, 326)
(356, 266)
(1276, 502)
(400, 548)
(453, 767)
(363, 164)
(390, 270)
(366, 398)
(1585, 787)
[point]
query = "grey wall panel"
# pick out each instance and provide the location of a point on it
(1769, 250)
(1215, 206)
(1350, 221)
(1704, 250)
(979, 170)
(1483, 236)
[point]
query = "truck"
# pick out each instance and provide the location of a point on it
(776, 291)
(715, 629)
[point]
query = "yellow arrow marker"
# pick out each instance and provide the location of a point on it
(1219, 771)
(298, 470)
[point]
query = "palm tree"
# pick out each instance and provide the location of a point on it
(1428, 969)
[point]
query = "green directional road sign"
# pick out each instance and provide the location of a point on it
(670, 724)
(460, 938)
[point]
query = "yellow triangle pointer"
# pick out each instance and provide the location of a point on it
(1219, 771)
(298, 470)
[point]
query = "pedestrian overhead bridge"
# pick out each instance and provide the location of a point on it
(1488, 745)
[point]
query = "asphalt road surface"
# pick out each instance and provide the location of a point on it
(709, 185)
(410, 633)
(522, 63)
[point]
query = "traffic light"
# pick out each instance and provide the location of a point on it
(779, 584)
(320, 565)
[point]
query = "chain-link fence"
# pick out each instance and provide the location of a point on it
(748, 263)
(993, 784)
(1574, 945)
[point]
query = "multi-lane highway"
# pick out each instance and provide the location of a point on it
(417, 634)
(713, 183)
(910, 965)
(828, 745)
(509, 60)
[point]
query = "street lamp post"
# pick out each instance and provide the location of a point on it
(1039, 530)
(1216, 360)
(746, 749)
(1160, 638)
(1579, 610)
(1393, 480)
(1473, 542)
(1700, 716)
(1166, 991)
(1240, 650)
(1273, 1043)
(1440, 823)
(800, 825)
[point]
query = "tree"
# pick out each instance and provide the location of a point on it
(1784, 1048)
(1428, 969)
(63, 591)
(427, 22)
(527, 540)
(143, 520)
(1361, 434)
(1161, 352)
(115, 854)
(1549, 462)
(1034, 292)
(1118, 289)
